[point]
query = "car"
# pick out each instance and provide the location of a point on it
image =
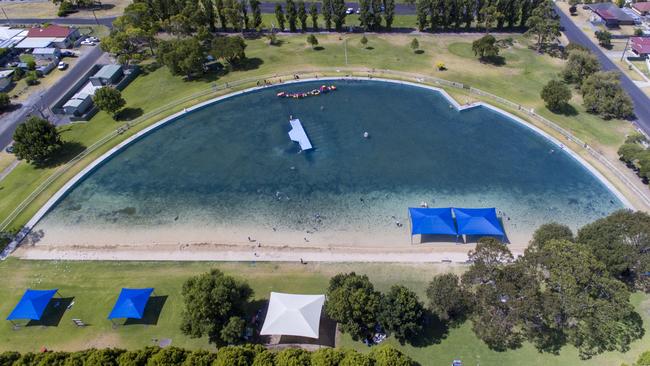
(358, 11)
(94, 39)
(349, 11)
(62, 66)
(87, 42)
(10, 149)
(67, 54)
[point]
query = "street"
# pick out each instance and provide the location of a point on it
(640, 100)
(45, 99)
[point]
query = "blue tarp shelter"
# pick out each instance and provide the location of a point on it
(32, 305)
(131, 303)
(432, 221)
(478, 221)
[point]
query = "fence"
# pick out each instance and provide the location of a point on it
(323, 72)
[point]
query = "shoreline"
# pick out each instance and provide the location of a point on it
(109, 154)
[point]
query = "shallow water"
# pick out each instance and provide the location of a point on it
(232, 163)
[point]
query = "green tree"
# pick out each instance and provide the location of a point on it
(292, 357)
(103, 357)
(338, 14)
(36, 140)
(490, 15)
(199, 358)
(122, 45)
(621, 241)
(182, 56)
(402, 313)
(31, 64)
(643, 360)
(302, 15)
(548, 232)
(629, 152)
(312, 40)
(313, 13)
(363, 41)
(422, 14)
(354, 358)
(327, 357)
(292, 15)
(544, 24)
(5, 102)
(279, 16)
(169, 356)
(389, 13)
(365, 15)
(264, 358)
(210, 301)
(447, 299)
(232, 332)
(109, 99)
(604, 39)
(18, 74)
(234, 356)
(232, 49)
(136, 357)
(31, 78)
(327, 10)
(556, 95)
(221, 14)
(7, 358)
(580, 65)
(257, 13)
(485, 47)
(602, 94)
(415, 45)
(489, 257)
(353, 302)
(243, 6)
(590, 307)
(387, 355)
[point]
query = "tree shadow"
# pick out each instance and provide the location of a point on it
(151, 311)
(33, 237)
(129, 113)
(370, 48)
(434, 331)
(494, 60)
(418, 52)
(68, 150)
(148, 68)
(11, 107)
(248, 64)
(567, 110)
(53, 312)
(318, 48)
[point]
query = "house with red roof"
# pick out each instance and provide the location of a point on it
(642, 9)
(51, 36)
(640, 46)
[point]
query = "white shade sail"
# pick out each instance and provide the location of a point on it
(290, 314)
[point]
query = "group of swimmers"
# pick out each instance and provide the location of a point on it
(322, 89)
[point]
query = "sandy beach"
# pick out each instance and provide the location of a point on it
(184, 242)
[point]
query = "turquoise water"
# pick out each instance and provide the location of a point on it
(232, 163)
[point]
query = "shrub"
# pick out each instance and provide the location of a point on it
(556, 95)
(32, 78)
(292, 357)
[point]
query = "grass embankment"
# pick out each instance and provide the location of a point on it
(520, 79)
(95, 285)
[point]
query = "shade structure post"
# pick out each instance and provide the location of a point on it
(408, 212)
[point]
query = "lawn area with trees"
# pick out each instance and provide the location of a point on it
(509, 311)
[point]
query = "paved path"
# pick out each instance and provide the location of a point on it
(46, 98)
(640, 99)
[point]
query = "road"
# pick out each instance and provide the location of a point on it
(639, 98)
(45, 99)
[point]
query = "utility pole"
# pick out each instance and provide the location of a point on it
(95, 16)
(5, 13)
(625, 49)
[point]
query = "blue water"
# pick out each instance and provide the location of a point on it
(232, 163)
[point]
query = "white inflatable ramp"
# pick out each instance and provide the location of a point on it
(299, 135)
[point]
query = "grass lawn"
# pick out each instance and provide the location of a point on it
(95, 285)
(520, 80)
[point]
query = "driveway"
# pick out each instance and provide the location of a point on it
(44, 99)
(640, 99)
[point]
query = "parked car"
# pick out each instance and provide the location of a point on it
(358, 11)
(94, 39)
(10, 149)
(87, 42)
(68, 54)
(62, 66)
(349, 11)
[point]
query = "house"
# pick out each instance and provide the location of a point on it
(642, 9)
(611, 15)
(49, 54)
(108, 74)
(9, 37)
(640, 46)
(50, 36)
(5, 78)
(78, 104)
